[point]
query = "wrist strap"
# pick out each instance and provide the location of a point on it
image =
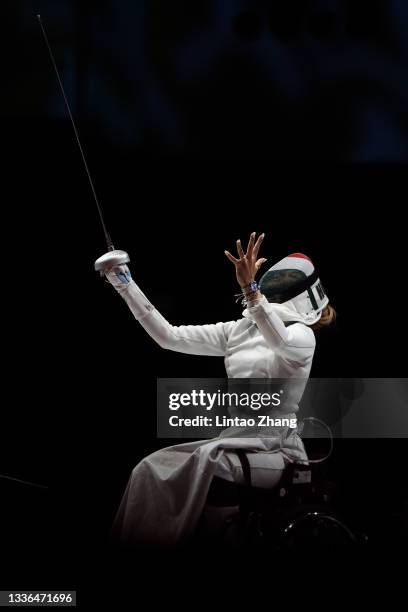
(247, 292)
(251, 288)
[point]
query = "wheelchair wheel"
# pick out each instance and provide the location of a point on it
(308, 529)
(315, 530)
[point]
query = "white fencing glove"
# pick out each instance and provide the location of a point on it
(119, 277)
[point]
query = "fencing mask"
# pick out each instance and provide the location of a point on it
(294, 282)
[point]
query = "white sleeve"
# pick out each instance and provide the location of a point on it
(295, 343)
(191, 339)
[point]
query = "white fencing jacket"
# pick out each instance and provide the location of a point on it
(256, 346)
(167, 490)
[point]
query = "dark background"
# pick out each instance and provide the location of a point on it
(202, 122)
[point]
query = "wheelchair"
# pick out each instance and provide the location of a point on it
(299, 514)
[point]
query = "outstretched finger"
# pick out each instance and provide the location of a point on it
(240, 249)
(260, 263)
(231, 257)
(258, 245)
(251, 244)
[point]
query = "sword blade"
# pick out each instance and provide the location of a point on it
(105, 231)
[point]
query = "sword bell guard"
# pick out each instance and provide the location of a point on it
(111, 260)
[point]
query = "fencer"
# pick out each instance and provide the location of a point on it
(274, 338)
(166, 492)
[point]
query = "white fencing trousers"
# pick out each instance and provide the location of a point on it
(167, 490)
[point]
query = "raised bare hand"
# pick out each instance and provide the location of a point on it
(247, 264)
